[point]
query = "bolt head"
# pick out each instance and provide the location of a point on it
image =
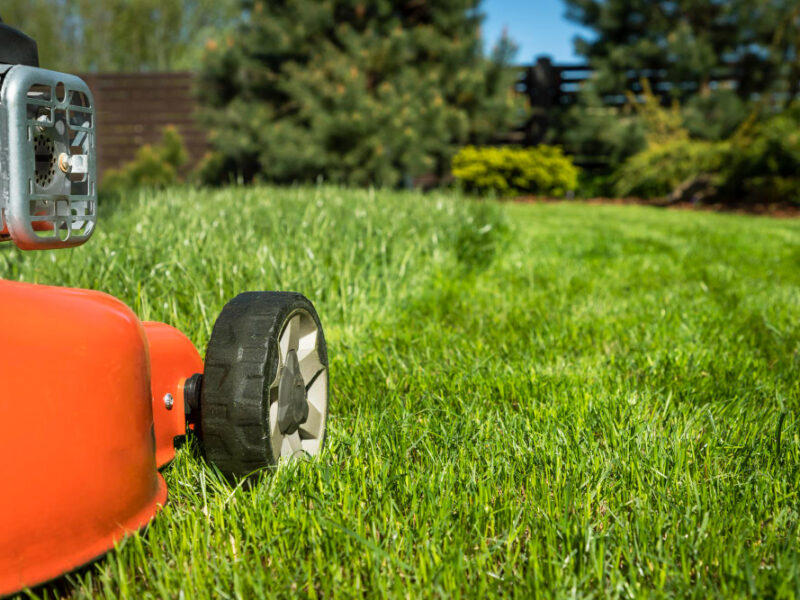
(63, 162)
(169, 401)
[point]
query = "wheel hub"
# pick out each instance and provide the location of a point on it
(292, 397)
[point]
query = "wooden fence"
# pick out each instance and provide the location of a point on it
(133, 109)
(550, 87)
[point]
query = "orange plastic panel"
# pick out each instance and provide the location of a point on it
(77, 451)
(173, 359)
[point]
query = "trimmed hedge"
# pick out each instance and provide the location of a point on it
(509, 170)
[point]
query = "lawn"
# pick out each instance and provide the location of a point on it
(559, 400)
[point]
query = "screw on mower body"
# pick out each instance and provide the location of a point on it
(260, 396)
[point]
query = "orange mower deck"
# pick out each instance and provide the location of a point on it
(79, 428)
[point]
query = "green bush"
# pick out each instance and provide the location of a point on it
(715, 116)
(543, 170)
(760, 163)
(764, 162)
(153, 167)
(769, 149)
(657, 171)
(771, 189)
(600, 134)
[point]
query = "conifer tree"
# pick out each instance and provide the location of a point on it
(687, 41)
(686, 44)
(355, 91)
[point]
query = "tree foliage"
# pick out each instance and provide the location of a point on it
(714, 56)
(119, 35)
(357, 91)
(599, 134)
(687, 41)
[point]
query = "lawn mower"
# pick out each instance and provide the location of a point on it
(94, 400)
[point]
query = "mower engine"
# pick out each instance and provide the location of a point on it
(48, 192)
(93, 399)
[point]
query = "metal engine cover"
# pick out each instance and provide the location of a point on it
(48, 190)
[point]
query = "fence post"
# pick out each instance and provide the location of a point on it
(543, 82)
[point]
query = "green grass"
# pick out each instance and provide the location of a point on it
(560, 400)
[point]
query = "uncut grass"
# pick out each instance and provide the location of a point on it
(564, 400)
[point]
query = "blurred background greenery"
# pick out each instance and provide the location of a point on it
(683, 100)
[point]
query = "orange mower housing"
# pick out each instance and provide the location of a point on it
(89, 427)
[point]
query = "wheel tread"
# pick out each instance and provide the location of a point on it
(241, 362)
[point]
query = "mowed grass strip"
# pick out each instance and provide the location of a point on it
(560, 400)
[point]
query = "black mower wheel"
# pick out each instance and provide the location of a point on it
(264, 393)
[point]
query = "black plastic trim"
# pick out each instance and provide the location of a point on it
(16, 48)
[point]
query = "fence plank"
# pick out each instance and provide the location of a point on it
(133, 109)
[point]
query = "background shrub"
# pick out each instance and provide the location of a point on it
(765, 162)
(714, 116)
(760, 163)
(543, 170)
(154, 166)
(657, 171)
(600, 134)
